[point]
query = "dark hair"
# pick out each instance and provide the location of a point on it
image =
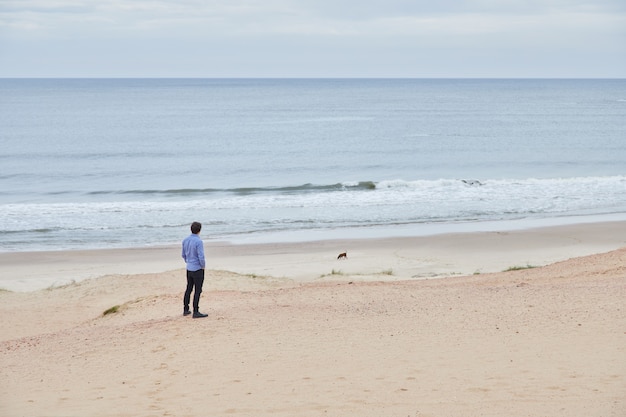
(195, 227)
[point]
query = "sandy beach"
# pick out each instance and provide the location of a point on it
(520, 323)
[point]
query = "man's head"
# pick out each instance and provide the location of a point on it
(195, 228)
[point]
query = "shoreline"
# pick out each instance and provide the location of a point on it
(388, 258)
(424, 229)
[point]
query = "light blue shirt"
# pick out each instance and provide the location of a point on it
(193, 252)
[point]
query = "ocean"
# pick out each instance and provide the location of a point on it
(115, 163)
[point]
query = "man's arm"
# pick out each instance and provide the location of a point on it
(201, 254)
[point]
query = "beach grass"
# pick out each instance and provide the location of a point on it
(333, 272)
(111, 310)
(519, 268)
(340, 272)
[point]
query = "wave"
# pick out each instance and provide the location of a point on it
(362, 185)
(369, 185)
(451, 198)
(397, 184)
(135, 220)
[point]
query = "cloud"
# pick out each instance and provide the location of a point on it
(250, 17)
(254, 34)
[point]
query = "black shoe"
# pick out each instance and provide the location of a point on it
(186, 313)
(197, 315)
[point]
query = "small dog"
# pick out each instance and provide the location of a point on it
(343, 255)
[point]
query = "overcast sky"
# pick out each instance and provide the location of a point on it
(313, 38)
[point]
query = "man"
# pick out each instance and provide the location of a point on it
(193, 254)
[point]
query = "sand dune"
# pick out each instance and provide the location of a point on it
(545, 341)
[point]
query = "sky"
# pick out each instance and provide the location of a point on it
(313, 38)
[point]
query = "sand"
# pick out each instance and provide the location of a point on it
(427, 326)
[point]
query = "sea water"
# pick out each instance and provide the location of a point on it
(101, 163)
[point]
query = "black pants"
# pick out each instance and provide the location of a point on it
(195, 279)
